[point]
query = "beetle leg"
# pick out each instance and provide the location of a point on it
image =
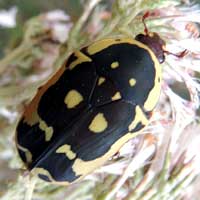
(178, 55)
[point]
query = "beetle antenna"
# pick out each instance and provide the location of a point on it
(146, 15)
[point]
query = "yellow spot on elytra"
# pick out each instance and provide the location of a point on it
(42, 171)
(116, 96)
(114, 65)
(73, 98)
(27, 153)
(139, 117)
(66, 149)
(101, 80)
(98, 124)
(154, 94)
(132, 82)
(80, 59)
(100, 45)
(47, 129)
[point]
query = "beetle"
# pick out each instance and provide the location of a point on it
(98, 100)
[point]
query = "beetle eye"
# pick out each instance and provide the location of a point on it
(139, 37)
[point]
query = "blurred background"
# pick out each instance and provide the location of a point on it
(14, 13)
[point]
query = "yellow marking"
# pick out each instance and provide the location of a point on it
(116, 96)
(101, 80)
(132, 82)
(47, 129)
(81, 167)
(103, 44)
(28, 154)
(115, 65)
(139, 117)
(98, 124)
(154, 94)
(42, 171)
(66, 149)
(80, 59)
(73, 98)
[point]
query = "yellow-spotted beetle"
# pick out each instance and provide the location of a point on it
(99, 99)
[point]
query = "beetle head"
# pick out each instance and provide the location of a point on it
(155, 43)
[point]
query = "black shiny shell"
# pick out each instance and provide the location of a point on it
(96, 102)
